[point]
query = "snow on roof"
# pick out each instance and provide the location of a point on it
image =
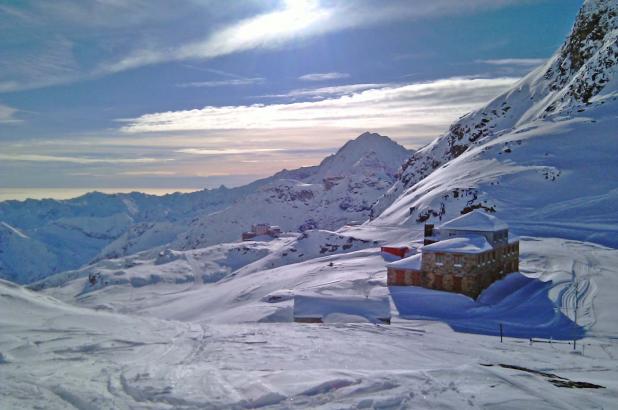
(472, 244)
(513, 238)
(475, 221)
(309, 305)
(412, 263)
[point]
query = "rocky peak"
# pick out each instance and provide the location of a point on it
(583, 62)
(579, 77)
(367, 150)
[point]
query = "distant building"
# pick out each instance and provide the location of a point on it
(261, 229)
(464, 255)
(399, 251)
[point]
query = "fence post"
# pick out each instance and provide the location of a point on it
(500, 332)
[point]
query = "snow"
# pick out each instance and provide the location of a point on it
(369, 152)
(541, 157)
(341, 307)
(412, 262)
(328, 196)
(476, 221)
(14, 230)
(57, 356)
(67, 234)
(212, 327)
(470, 245)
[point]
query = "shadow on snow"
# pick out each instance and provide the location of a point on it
(521, 304)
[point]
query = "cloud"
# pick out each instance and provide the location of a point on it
(224, 83)
(268, 30)
(78, 160)
(50, 62)
(523, 62)
(198, 151)
(297, 19)
(323, 76)
(91, 35)
(322, 92)
(420, 104)
(7, 115)
(147, 173)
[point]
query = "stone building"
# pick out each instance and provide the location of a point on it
(261, 229)
(464, 255)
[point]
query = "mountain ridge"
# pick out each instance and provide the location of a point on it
(526, 142)
(65, 234)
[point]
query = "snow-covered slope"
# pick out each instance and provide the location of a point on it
(210, 327)
(55, 356)
(542, 156)
(21, 253)
(201, 266)
(338, 191)
(67, 234)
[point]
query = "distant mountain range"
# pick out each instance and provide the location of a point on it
(542, 156)
(42, 237)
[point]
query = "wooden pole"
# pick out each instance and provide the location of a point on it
(575, 322)
(500, 332)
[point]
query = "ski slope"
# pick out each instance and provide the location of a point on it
(62, 356)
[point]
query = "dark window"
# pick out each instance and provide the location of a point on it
(458, 260)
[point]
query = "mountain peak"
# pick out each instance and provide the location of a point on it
(368, 148)
(369, 135)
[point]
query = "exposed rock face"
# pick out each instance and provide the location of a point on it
(581, 74)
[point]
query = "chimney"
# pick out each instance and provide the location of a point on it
(428, 240)
(428, 230)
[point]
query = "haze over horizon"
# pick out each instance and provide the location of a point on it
(120, 96)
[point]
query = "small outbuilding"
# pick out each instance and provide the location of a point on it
(320, 308)
(399, 251)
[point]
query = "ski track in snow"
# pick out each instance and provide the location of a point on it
(107, 360)
(211, 328)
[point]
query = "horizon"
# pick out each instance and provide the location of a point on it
(128, 102)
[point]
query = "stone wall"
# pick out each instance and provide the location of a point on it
(471, 276)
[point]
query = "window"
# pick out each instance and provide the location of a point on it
(439, 259)
(458, 260)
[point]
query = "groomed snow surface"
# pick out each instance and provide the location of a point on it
(214, 344)
(193, 326)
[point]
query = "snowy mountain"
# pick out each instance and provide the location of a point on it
(39, 238)
(217, 315)
(542, 156)
(338, 191)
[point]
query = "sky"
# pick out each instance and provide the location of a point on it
(159, 95)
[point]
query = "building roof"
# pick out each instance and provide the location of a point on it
(476, 221)
(412, 263)
(471, 245)
(311, 305)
